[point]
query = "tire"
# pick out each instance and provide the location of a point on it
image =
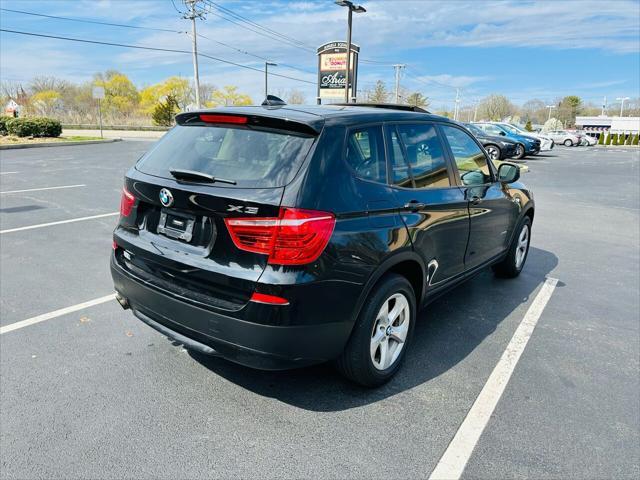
(520, 152)
(359, 361)
(513, 263)
(494, 152)
(568, 143)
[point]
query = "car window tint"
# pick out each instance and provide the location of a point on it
(365, 153)
(491, 129)
(418, 157)
(470, 159)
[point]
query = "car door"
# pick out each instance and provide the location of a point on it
(432, 206)
(492, 211)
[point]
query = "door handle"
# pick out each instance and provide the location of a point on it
(476, 200)
(414, 205)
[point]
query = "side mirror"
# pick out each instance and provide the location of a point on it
(508, 173)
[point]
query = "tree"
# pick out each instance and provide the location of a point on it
(528, 127)
(568, 108)
(295, 97)
(608, 139)
(534, 111)
(552, 124)
(601, 138)
(178, 87)
(228, 96)
(416, 99)
(495, 107)
(46, 102)
(164, 112)
(379, 94)
(120, 94)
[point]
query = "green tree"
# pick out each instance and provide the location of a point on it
(568, 108)
(608, 139)
(528, 127)
(229, 95)
(379, 94)
(179, 88)
(416, 99)
(120, 94)
(614, 139)
(635, 140)
(601, 138)
(164, 111)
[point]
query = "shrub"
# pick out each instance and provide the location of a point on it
(628, 141)
(614, 139)
(601, 138)
(635, 140)
(608, 140)
(3, 124)
(34, 127)
(164, 112)
(528, 127)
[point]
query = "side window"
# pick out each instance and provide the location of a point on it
(418, 157)
(365, 153)
(470, 159)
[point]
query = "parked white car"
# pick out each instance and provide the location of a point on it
(568, 139)
(546, 143)
(585, 140)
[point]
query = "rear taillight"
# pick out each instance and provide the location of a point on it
(268, 299)
(295, 237)
(126, 202)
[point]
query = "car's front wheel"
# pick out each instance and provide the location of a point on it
(568, 143)
(494, 152)
(381, 335)
(520, 151)
(513, 263)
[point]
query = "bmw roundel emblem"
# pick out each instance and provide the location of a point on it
(166, 197)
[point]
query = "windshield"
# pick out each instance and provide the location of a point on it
(511, 128)
(250, 157)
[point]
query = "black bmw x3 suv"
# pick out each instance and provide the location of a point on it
(279, 237)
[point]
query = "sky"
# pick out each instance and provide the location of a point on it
(542, 49)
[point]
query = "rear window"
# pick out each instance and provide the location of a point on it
(250, 157)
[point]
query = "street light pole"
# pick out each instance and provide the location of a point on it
(455, 110)
(550, 107)
(266, 77)
(397, 68)
(352, 8)
(622, 99)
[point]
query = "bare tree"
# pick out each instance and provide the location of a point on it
(495, 107)
(295, 97)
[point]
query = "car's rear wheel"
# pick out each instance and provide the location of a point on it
(494, 152)
(381, 334)
(568, 143)
(516, 257)
(520, 151)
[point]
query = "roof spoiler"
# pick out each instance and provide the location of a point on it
(390, 106)
(236, 119)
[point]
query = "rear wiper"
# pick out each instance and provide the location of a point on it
(192, 175)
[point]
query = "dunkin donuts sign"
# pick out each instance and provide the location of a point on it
(332, 68)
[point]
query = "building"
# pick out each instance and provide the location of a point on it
(603, 123)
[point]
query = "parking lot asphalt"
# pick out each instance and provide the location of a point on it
(97, 394)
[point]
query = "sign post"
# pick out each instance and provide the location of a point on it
(332, 71)
(98, 93)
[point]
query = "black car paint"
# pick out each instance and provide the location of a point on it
(508, 148)
(377, 230)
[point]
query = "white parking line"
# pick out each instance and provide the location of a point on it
(7, 173)
(71, 220)
(457, 454)
(41, 189)
(56, 313)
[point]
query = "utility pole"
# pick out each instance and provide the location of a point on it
(352, 8)
(455, 110)
(192, 15)
(550, 107)
(604, 105)
(266, 77)
(475, 111)
(622, 99)
(397, 68)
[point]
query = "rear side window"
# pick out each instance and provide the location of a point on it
(418, 157)
(365, 153)
(250, 157)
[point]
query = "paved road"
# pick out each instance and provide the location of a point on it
(97, 394)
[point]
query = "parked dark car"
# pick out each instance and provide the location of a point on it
(526, 145)
(284, 237)
(498, 147)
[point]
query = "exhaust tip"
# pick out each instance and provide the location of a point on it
(124, 303)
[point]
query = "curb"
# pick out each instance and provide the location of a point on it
(57, 144)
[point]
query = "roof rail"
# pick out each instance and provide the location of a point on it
(390, 106)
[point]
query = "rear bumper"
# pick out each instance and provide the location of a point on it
(265, 347)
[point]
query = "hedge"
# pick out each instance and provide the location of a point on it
(608, 139)
(34, 127)
(635, 140)
(3, 124)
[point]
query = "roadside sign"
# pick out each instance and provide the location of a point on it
(332, 70)
(98, 93)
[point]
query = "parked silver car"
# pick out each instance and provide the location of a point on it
(568, 139)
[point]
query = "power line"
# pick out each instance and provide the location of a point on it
(89, 21)
(157, 49)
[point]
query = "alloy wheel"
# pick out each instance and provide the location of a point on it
(493, 152)
(523, 245)
(390, 331)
